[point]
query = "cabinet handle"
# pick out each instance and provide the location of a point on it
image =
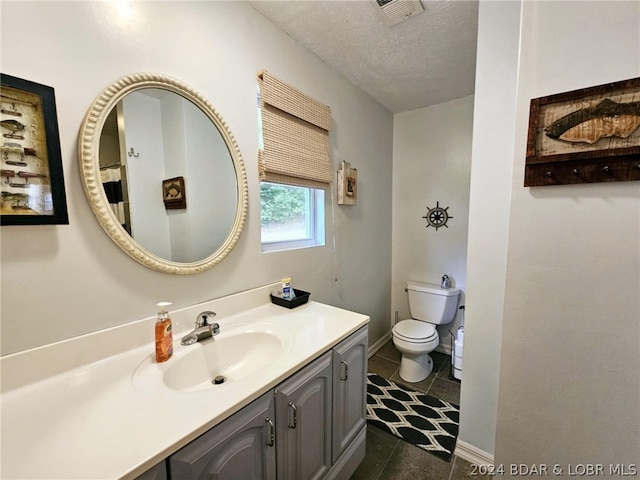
(292, 422)
(346, 371)
(270, 432)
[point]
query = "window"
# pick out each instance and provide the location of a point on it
(294, 165)
(291, 216)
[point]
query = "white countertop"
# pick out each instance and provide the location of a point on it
(92, 422)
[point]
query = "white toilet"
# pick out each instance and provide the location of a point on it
(429, 305)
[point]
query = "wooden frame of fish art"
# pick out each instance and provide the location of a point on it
(31, 178)
(585, 136)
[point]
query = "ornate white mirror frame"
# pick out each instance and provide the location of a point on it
(88, 152)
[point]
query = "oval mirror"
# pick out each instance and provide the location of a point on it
(163, 174)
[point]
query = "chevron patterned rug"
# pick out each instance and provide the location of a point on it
(417, 418)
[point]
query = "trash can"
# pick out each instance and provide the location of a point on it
(456, 356)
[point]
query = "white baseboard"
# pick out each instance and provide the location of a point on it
(472, 454)
(442, 348)
(379, 344)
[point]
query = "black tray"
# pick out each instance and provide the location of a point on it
(302, 297)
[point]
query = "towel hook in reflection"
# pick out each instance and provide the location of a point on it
(132, 153)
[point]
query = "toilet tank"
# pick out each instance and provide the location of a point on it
(430, 303)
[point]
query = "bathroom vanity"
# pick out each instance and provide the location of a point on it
(312, 425)
(98, 406)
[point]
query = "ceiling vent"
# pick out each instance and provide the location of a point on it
(396, 11)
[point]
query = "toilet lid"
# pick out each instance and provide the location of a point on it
(415, 330)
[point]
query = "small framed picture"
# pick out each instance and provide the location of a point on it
(174, 194)
(347, 184)
(31, 180)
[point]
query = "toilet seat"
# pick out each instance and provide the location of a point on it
(415, 331)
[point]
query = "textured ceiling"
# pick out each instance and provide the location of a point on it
(426, 60)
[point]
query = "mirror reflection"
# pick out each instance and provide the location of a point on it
(168, 175)
(163, 174)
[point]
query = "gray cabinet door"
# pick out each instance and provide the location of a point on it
(157, 472)
(303, 416)
(349, 390)
(241, 447)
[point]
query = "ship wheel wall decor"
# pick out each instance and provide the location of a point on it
(437, 217)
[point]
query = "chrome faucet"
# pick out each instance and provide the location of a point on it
(203, 329)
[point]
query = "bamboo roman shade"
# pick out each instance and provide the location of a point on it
(295, 131)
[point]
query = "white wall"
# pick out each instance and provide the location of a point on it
(175, 165)
(210, 169)
(143, 127)
(431, 163)
(490, 196)
(62, 281)
(570, 368)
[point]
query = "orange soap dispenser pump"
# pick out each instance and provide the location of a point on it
(164, 335)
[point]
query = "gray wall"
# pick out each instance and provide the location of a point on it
(62, 281)
(570, 367)
(490, 197)
(431, 163)
(552, 339)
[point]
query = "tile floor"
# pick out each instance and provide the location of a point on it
(388, 457)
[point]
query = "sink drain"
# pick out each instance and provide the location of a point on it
(218, 380)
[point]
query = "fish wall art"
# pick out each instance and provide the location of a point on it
(588, 125)
(585, 136)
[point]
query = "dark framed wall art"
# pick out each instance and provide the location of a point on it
(585, 136)
(31, 181)
(174, 194)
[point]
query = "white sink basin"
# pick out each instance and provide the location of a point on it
(236, 353)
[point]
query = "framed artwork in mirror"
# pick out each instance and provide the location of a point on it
(173, 193)
(31, 178)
